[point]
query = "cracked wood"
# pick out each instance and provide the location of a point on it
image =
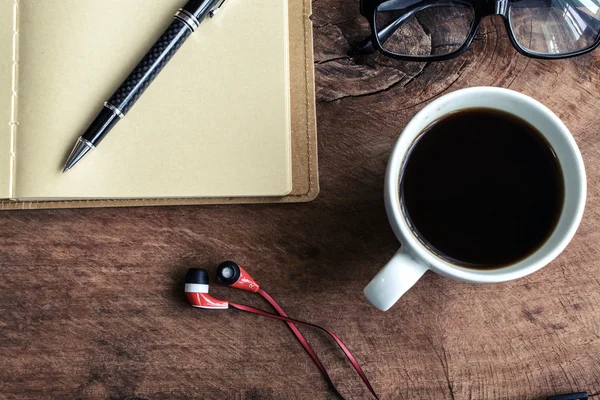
(92, 305)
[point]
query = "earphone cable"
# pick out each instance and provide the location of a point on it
(301, 339)
(338, 341)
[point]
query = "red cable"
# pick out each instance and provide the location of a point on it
(341, 344)
(301, 339)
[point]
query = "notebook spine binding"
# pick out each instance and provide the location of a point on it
(14, 121)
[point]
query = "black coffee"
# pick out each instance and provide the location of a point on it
(482, 188)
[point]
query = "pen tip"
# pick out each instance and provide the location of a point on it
(82, 147)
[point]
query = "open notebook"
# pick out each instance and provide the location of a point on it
(215, 123)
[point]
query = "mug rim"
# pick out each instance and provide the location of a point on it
(409, 240)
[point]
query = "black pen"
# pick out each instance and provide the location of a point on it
(186, 21)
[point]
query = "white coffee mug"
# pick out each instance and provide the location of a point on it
(414, 259)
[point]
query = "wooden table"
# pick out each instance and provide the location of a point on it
(92, 305)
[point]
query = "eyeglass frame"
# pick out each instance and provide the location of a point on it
(481, 9)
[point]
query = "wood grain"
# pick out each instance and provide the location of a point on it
(92, 306)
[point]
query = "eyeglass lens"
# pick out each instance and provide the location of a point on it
(555, 26)
(441, 27)
(424, 28)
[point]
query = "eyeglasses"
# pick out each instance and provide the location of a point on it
(435, 30)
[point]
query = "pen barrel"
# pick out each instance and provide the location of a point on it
(150, 66)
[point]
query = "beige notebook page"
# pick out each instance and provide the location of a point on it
(7, 57)
(214, 123)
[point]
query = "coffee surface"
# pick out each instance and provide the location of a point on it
(482, 188)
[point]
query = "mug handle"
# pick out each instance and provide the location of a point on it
(398, 275)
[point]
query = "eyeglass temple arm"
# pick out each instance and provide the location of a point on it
(367, 46)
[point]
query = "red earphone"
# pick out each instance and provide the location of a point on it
(230, 273)
(196, 291)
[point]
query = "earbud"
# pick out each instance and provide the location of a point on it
(235, 276)
(230, 273)
(196, 291)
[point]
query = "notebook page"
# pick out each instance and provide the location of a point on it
(7, 8)
(216, 121)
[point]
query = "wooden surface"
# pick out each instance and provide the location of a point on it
(92, 305)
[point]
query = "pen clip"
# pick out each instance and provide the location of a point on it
(216, 9)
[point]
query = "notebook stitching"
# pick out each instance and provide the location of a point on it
(14, 98)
